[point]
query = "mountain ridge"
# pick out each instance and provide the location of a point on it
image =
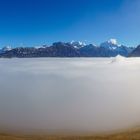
(109, 48)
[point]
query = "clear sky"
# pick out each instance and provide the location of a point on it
(34, 22)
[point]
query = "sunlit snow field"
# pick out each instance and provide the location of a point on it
(69, 94)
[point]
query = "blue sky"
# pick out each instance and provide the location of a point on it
(35, 22)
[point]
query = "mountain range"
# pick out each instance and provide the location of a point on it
(108, 48)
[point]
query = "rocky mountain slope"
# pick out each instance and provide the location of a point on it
(69, 49)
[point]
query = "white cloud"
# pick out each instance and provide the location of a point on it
(84, 94)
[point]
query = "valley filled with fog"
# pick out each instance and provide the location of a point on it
(69, 94)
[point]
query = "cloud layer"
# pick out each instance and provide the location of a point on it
(55, 94)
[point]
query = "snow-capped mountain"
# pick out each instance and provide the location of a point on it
(6, 48)
(69, 49)
(77, 44)
(114, 48)
(41, 46)
(110, 44)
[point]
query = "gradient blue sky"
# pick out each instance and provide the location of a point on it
(34, 22)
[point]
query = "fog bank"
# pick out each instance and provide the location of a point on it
(76, 94)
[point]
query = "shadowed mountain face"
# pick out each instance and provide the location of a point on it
(56, 50)
(135, 52)
(72, 49)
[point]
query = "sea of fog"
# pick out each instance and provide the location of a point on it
(69, 94)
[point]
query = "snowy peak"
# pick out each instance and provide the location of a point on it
(42, 46)
(109, 48)
(6, 48)
(113, 41)
(77, 44)
(110, 44)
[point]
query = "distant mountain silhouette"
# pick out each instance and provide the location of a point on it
(70, 49)
(135, 52)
